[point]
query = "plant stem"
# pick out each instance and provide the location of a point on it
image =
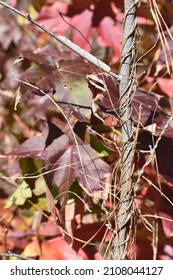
(10, 254)
(124, 213)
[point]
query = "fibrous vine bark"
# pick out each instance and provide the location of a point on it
(126, 73)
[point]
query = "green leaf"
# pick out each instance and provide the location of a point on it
(99, 147)
(29, 166)
(20, 195)
(74, 191)
(40, 186)
(38, 203)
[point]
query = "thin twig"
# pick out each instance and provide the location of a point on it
(10, 254)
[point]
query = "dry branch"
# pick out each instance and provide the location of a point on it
(13, 255)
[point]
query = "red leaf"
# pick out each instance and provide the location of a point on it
(81, 163)
(93, 231)
(49, 228)
(110, 35)
(165, 56)
(67, 162)
(167, 223)
(50, 18)
(67, 83)
(105, 91)
(164, 126)
(58, 249)
(9, 30)
(164, 158)
(166, 85)
(100, 16)
(84, 26)
(89, 253)
(167, 253)
(53, 249)
(146, 106)
(43, 147)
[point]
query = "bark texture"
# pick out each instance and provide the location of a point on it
(126, 74)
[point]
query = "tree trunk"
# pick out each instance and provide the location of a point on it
(126, 73)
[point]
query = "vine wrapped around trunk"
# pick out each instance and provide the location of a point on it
(126, 73)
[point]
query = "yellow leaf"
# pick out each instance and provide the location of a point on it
(20, 195)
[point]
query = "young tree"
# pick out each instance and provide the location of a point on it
(127, 80)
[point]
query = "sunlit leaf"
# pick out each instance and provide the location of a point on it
(20, 195)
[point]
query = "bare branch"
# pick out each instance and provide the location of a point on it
(10, 254)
